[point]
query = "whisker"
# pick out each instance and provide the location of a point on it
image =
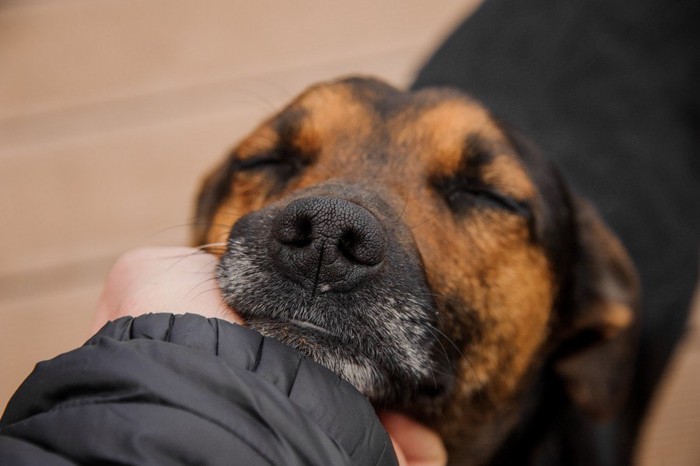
(187, 225)
(208, 290)
(431, 329)
(203, 282)
(403, 210)
(182, 257)
(421, 223)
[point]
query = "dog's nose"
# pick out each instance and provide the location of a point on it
(327, 243)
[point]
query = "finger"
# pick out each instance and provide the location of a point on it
(176, 280)
(419, 445)
(399, 452)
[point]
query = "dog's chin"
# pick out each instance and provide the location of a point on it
(332, 351)
(380, 337)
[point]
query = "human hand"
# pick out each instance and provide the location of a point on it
(414, 444)
(163, 279)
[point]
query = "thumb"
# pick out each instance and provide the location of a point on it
(415, 444)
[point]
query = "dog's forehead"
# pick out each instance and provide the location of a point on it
(442, 119)
(448, 132)
(377, 128)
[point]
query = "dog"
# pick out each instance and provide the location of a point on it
(427, 254)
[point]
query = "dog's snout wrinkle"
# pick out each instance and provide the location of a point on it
(328, 242)
(318, 272)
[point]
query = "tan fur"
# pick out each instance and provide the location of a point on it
(483, 261)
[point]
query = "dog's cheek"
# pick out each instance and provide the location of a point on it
(503, 340)
(249, 194)
(520, 304)
(501, 283)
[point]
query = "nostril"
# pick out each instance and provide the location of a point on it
(361, 246)
(296, 231)
(328, 242)
(347, 245)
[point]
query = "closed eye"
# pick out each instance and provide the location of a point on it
(283, 162)
(461, 198)
(260, 162)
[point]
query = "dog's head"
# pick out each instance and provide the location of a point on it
(416, 247)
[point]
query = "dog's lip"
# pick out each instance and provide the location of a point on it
(309, 325)
(301, 324)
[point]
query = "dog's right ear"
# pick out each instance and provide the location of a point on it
(596, 358)
(215, 189)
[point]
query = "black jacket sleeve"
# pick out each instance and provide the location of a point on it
(167, 389)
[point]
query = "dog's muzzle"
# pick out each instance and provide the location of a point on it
(327, 244)
(338, 278)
